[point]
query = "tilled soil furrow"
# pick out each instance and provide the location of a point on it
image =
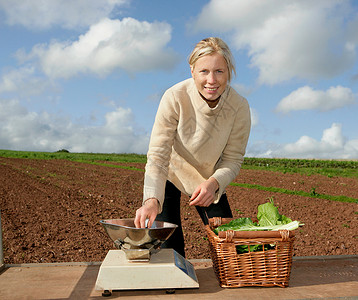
(51, 209)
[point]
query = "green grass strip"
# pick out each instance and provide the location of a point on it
(312, 194)
(329, 168)
(110, 157)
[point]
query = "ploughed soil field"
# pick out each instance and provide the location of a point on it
(50, 210)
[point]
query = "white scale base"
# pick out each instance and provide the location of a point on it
(166, 269)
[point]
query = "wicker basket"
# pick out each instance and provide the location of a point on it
(259, 268)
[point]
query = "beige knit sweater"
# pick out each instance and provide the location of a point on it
(191, 142)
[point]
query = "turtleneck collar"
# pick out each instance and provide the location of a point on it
(203, 106)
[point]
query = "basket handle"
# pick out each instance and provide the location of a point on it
(217, 221)
(230, 234)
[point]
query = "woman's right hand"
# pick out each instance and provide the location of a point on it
(149, 210)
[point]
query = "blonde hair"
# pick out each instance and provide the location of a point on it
(213, 45)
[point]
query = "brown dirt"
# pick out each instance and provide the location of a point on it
(50, 210)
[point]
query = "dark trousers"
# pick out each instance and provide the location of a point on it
(171, 214)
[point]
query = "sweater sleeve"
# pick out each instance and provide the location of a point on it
(229, 165)
(160, 148)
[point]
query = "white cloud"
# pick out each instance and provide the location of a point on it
(332, 142)
(24, 81)
(254, 117)
(71, 14)
(333, 145)
(242, 89)
(286, 38)
(21, 129)
(108, 45)
(305, 98)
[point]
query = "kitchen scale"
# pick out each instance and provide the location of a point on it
(138, 263)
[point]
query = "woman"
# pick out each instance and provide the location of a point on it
(197, 144)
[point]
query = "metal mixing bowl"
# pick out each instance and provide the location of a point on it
(126, 236)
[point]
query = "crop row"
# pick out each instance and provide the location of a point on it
(330, 168)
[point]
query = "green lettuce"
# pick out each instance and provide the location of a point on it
(268, 218)
(237, 224)
(268, 215)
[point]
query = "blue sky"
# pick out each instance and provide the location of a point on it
(88, 75)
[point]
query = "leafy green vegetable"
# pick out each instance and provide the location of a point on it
(268, 217)
(240, 249)
(237, 224)
(256, 227)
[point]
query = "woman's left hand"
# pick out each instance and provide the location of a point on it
(204, 194)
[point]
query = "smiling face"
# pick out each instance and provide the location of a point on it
(210, 74)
